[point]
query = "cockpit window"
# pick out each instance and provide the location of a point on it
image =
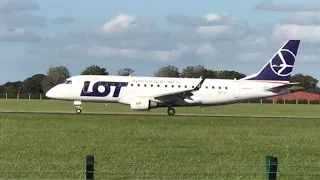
(68, 82)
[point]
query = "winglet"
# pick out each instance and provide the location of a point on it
(200, 84)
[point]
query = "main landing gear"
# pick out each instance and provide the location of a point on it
(171, 111)
(78, 106)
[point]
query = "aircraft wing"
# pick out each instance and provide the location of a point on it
(178, 96)
(289, 86)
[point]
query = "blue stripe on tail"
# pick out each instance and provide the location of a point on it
(280, 66)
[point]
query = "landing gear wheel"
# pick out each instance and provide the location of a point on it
(171, 111)
(78, 106)
(78, 111)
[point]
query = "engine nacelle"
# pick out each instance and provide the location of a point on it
(142, 104)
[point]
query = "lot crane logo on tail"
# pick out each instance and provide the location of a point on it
(280, 64)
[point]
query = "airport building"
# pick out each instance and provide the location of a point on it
(298, 97)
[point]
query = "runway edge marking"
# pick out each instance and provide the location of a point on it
(158, 114)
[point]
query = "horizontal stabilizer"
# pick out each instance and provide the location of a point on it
(296, 89)
(290, 86)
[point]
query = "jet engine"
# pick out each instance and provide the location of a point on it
(142, 104)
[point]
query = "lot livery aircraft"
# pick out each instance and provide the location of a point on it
(145, 93)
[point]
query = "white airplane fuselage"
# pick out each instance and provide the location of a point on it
(212, 92)
(144, 93)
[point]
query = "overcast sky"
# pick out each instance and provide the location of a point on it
(146, 35)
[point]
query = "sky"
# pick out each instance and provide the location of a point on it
(146, 35)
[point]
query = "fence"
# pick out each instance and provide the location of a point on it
(93, 170)
(284, 101)
(41, 96)
(23, 96)
(89, 171)
(271, 167)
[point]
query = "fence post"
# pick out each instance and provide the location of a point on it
(272, 167)
(90, 167)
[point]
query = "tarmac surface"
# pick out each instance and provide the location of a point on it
(162, 114)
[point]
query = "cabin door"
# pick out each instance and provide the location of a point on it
(236, 89)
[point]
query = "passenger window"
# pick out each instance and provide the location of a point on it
(185, 86)
(212, 87)
(172, 85)
(158, 85)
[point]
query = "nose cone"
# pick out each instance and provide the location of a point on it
(50, 93)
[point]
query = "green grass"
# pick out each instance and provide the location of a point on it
(156, 147)
(301, 110)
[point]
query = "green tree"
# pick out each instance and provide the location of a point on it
(12, 88)
(211, 74)
(230, 75)
(94, 70)
(168, 71)
(55, 76)
(33, 84)
(125, 72)
(197, 71)
(308, 82)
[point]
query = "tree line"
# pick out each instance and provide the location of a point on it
(41, 83)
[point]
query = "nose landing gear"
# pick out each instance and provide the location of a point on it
(78, 106)
(79, 110)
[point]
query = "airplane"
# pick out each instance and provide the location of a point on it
(146, 93)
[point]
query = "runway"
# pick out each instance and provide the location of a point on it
(163, 115)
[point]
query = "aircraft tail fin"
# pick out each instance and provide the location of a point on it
(280, 66)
